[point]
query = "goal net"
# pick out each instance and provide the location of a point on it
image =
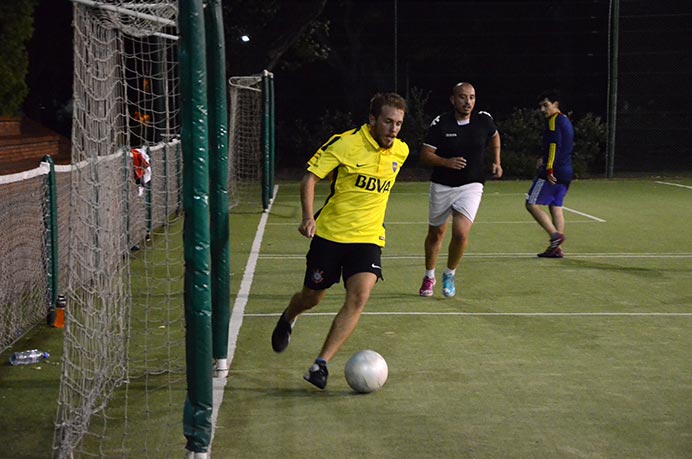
(123, 377)
(251, 142)
(123, 372)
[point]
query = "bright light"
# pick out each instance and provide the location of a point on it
(244, 38)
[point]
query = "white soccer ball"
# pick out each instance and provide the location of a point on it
(366, 371)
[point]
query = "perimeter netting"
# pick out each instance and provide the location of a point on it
(122, 385)
(25, 271)
(24, 295)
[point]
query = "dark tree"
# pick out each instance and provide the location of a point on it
(16, 28)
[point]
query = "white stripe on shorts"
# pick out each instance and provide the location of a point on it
(531, 199)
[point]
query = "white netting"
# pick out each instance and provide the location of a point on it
(245, 139)
(24, 251)
(124, 338)
(24, 293)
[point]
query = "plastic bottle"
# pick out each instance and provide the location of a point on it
(28, 357)
(60, 305)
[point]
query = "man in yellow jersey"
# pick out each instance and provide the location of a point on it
(347, 232)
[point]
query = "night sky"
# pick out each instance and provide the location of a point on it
(510, 51)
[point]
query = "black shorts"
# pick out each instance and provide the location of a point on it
(327, 261)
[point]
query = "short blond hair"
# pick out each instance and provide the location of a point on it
(392, 99)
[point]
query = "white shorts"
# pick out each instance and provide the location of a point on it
(465, 199)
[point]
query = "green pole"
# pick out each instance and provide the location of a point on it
(126, 194)
(51, 222)
(158, 83)
(272, 140)
(613, 86)
(195, 143)
(218, 182)
(165, 160)
(147, 201)
(266, 169)
(179, 175)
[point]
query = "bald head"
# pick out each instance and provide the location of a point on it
(462, 84)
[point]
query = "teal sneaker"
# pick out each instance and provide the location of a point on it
(448, 288)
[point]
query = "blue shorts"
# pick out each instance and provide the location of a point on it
(543, 193)
(328, 261)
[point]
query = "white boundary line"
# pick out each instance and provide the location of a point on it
(505, 222)
(600, 220)
(500, 314)
(219, 384)
(273, 256)
(675, 184)
(495, 222)
(485, 192)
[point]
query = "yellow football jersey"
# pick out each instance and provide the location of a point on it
(362, 175)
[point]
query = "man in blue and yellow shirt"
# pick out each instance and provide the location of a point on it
(554, 173)
(348, 231)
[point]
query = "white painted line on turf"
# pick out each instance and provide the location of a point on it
(238, 312)
(499, 314)
(600, 220)
(505, 222)
(427, 193)
(498, 222)
(675, 184)
(278, 256)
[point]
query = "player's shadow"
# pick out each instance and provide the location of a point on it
(256, 386)
(613, 267)
(296, 392)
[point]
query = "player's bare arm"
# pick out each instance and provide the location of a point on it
(307, 196)
(495, 149)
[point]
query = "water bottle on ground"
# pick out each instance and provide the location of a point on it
(60, 305)
(28, 357)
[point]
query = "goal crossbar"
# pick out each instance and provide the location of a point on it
(127, 12)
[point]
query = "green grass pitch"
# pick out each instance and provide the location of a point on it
(584, 357)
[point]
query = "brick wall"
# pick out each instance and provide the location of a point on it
(24, 144)
(9, 126)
